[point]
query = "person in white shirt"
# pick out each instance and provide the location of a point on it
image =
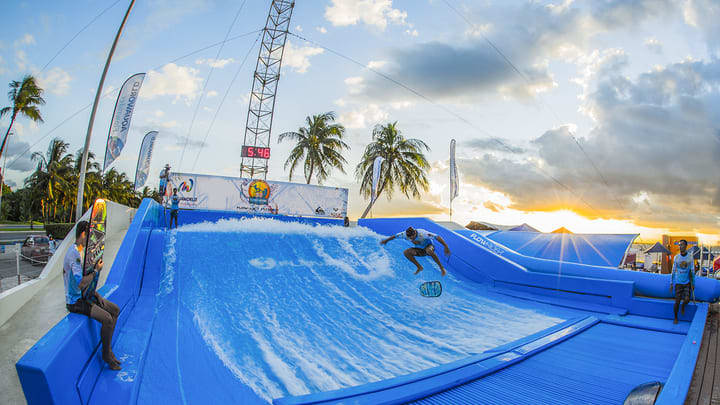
(422, 246)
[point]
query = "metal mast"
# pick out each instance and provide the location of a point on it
(264, 88)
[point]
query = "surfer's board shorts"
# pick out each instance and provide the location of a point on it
(682, 292)
(423, 251)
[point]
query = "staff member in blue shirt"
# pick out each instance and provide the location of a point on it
(683, 277)
(174, 207)
(422, 246)
(101, 310)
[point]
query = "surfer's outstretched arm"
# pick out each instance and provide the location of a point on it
(384, 241)
(447, 249)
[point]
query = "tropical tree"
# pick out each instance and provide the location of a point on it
(50, 179)
(320, 144)
(25, 97)
(404, 166)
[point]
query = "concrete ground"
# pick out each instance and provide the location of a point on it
(33, 321)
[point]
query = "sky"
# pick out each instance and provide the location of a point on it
(600, 116)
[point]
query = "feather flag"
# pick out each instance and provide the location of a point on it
(377, 164)
(120, 125)
(143, 164)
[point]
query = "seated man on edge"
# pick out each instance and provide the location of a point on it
(422, 246)
(100, 309)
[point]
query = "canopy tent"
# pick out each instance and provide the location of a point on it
(658, 248)
(524, 228)
(705, 253)
(593, 249)
(562, 229)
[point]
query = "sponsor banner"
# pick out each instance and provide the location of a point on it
(143, 165)
(453, 172)
(198, 191)
(377, 165)
(120, 125)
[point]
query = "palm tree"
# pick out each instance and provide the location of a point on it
(404, 166)
(51, 177)
(25, 98)
(320, 144)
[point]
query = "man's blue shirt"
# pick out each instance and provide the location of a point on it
(72, 274)
(175, 203)
(683, 275)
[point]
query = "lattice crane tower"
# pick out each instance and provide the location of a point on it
(256, 144)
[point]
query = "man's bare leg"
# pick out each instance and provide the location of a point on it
(437, 260)
(410, 256)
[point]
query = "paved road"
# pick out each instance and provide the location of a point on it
(8, 266)
(20, 235)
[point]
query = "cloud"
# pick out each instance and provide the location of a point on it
(355, 84)
(298, 58)
(321, 30)
(375, 13)
(493, 144)
(363, 117)
(3, 70)
(705, 15)
(211, 93)
(15, 146)
(471, 70)
(21, 59)
(182, 82)
(655, 141)
(653, 45)
(298, 28)
(26, 39)
(55, 81)
(215, 63)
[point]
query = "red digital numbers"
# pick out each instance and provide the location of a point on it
(256, 152)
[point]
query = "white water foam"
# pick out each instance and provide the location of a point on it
(269, 225)
(251, 374)
(168, 275)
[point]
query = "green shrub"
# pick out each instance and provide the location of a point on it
(58, 231)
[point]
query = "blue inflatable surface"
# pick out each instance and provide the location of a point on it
(232, 309)
(592, 249)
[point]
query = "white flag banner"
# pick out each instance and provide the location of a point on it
(143, 164)
(121, 117)
(454, 184)
(377, 165)
(198, 191)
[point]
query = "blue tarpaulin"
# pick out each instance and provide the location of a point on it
(594, 249)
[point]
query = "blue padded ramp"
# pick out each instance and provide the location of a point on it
(598, 366)
(592, 249)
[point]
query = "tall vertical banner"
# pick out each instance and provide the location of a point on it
(454, 184)
(143, 165)
(122, 115)
(377, 165)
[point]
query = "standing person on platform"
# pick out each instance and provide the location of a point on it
(682, 278)
(174, 207)
(164, 177)
(99, 309)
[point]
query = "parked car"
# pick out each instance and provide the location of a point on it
(36, 249)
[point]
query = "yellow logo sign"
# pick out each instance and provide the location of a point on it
(259, 192)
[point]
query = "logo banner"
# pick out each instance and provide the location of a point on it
(122, 115)
(143, 164)
(198, 191)
(454, 186)
(377, 165)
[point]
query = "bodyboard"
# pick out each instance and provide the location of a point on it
(95, 245)
(431, 289)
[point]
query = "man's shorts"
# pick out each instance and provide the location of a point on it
(682, 292)
(422, 251)
(173, 213)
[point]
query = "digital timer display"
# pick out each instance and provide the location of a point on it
(257, 152)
